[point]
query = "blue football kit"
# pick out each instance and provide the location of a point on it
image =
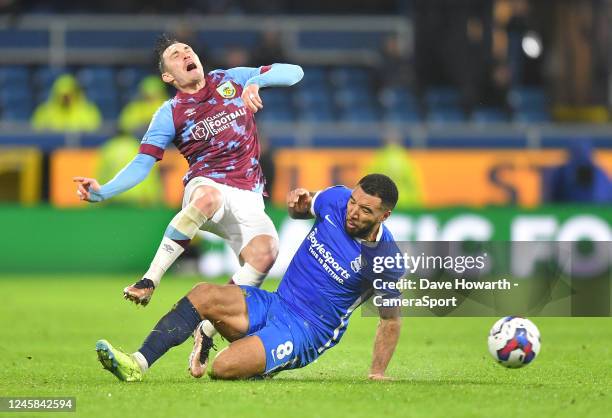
(329, 277)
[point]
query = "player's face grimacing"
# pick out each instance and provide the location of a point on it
(364, 214)
(182, 66)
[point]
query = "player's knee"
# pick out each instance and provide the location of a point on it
(264, 253)
(207, 200)
(221, 369)
(267, 259)
(225, 368)
(203, 297)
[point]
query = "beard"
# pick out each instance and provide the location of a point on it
(362, 232)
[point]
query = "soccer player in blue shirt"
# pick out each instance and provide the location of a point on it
(325, 282)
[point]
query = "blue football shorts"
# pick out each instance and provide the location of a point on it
(284, 334)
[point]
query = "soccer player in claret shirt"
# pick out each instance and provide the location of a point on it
(330, 275)
(211, 120)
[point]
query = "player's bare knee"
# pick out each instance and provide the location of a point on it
(202, 297)
(272, 249)
(265, 261)
(200, 289)
(207, 200)
(263, 253)
(225, 368)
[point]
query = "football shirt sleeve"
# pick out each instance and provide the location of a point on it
(131, 175)
(268, 75)
(242, 74)
(328, 197)
(160, 134)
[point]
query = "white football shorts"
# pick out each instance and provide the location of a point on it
(240, 218)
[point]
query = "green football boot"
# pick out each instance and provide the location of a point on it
(118, 363)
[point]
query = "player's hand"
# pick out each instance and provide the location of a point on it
(251, 99)
(379, 377)
(299, 200)
(85, 186)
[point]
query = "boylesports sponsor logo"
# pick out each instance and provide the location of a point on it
(212, 125)
(325, 258)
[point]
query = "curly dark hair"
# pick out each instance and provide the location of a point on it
(381, 186)
(163, 42)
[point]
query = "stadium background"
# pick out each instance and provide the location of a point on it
(473, 106)
(467, 104)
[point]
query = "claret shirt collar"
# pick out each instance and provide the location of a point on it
(199, 96)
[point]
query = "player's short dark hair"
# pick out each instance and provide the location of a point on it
(381, 186)
(163, 42)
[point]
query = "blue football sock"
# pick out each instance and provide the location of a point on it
(173, 329)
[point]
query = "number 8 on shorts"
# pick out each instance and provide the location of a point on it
(283, 350)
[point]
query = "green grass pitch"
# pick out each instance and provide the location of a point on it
(441, 367)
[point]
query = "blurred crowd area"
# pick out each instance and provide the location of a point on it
(469, 63)
(474, 60)
(81, 98)
(226, 7)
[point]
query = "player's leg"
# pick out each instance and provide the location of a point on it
(242, 359)
(224, 305)
(257, 305)
(277, 340)
(259, 253)
(202, 203)
(259, 256)
(253, 237)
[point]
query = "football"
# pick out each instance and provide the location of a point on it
(514, 341)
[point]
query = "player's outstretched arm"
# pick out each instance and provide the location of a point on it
(387, 335)
(299, 203)
(278, 74)
(282, 75)
(136, 171)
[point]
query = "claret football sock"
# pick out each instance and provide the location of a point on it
(173, 329)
